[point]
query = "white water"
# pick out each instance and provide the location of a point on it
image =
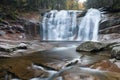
(63, 26)
(88, 28)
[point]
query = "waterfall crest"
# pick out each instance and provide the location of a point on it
(64, 26)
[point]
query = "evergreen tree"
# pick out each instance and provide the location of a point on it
(110, 5)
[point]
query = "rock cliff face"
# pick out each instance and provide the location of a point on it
(26, 25)
(111, 24)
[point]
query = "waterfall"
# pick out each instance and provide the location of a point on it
(65, 26)
(88, 28)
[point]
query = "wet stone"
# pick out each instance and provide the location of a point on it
(90, 46)
(115, 53)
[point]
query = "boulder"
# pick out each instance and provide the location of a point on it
(22, 46)
(11, 48)
(115, 53)
(90, 46)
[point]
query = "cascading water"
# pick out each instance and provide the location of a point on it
(64, 26)
(88, 28)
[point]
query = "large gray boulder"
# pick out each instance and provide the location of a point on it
(115, 53)
(90, 46)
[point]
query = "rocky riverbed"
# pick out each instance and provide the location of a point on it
(59, 61)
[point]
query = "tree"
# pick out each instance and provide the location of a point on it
(72, 4)
(110, 5)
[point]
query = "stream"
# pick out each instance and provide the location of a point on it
(56, 64)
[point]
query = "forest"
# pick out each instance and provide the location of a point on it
(27, 5)
(38, 4)
(109, 5)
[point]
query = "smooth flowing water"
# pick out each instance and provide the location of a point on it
(65, 26)
(88, 28)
